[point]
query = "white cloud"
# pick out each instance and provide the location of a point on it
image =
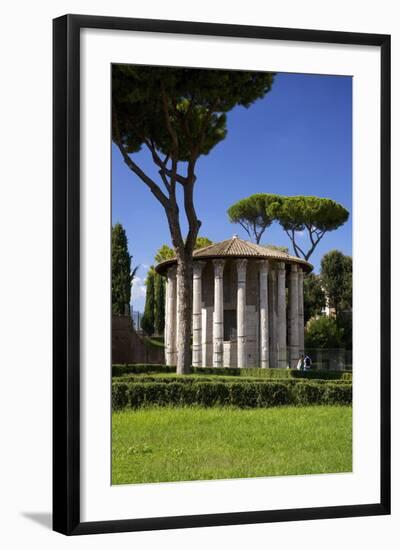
(138, 288)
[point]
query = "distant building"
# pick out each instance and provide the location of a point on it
(136, 317)
(327, 310)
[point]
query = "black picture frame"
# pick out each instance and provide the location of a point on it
(66, 273)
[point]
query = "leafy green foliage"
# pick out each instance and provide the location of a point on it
(119, 395)
(181, 111)
(336, 278)
(323, 332)
(123, 370)
(138, 368)
(165, 252)
(147, 322)
(314, 297)
(237, 393)
(121, 274)
(315, 215)
(254, 213)
(193, 378)
(344, 320)
(202, 242)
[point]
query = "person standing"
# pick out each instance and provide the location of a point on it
(307, 362)
(300, 363)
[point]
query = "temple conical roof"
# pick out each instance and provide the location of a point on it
(238, 248)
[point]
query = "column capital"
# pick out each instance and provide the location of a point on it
(263, 265)
(293, 274)
(218, 267)
(198, 268)
(241, 265)
(280, 266)
(171, 271)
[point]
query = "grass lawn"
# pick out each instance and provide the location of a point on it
(178, 444)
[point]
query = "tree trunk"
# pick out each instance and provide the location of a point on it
(184, 317)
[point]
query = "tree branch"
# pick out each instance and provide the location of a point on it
(168, 120)
(163, 199)
(260, 234)
(296, 247)
(162, 164)
(314, 243)
(245, 228)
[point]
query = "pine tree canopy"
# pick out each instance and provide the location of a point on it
(254, 214)
(149, 102)
(314, 215)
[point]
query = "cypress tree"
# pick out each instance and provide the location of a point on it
(159, 304)
(147, 322)
(120, 270)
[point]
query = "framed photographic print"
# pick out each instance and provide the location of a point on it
(221, 274)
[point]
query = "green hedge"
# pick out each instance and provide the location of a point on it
(236, 393)
(192, 379)
(120, 370)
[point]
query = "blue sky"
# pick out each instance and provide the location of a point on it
(295, 141)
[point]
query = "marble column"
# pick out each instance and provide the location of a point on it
(196, 325)
(170, 318)
(272, 318)
(281, 315)
(293, 317)
(241, 266)
(301, 310)
(218, 319)
(204, 336)
(264, 329)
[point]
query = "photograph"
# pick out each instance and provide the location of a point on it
(204, 218)
(231, 274)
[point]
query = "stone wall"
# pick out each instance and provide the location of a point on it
(129, 347)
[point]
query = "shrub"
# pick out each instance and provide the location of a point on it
(323, 332)
(270, 395)
(121, 370)
(244, 395)
(178, 379)
(119, 395)
(309, 394)
(238, 393)
(338, 394)
(212, 394)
